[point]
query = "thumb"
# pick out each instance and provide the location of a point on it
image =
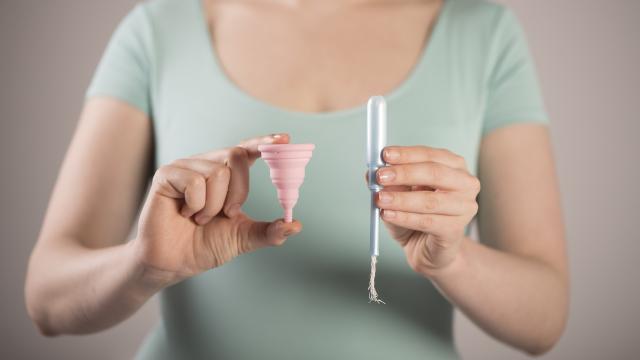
(261, 234)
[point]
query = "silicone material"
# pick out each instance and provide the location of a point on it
(287, 163)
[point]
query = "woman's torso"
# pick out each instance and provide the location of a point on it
(308, 298)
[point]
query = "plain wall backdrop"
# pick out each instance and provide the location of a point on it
(587, 54)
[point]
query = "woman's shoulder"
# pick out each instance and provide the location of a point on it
(162, 25)
(479, 15)
(477, 10)
(481, 23)
(167, 12)
(148, 16)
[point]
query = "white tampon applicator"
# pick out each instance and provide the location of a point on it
(376, 141)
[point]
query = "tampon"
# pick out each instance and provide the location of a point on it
(376, 141)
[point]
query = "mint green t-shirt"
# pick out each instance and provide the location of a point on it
(308, 298)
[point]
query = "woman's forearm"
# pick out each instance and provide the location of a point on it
(73, 289)
(518, 300)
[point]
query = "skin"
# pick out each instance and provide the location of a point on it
(84, 276)
(516, 286)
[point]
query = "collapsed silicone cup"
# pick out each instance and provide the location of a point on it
(286, 164)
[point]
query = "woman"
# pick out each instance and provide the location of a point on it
(188, 89)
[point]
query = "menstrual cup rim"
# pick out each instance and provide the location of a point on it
(285, 147)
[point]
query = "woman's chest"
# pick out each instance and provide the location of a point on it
(197, 107)
(319, 58)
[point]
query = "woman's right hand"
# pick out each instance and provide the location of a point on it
(191, 220)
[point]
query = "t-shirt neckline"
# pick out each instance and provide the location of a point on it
(414, 76)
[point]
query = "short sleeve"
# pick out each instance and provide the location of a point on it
(123, 71)
(513, 92)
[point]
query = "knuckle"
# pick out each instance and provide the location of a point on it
(196, 181)
(161, 174)
(475, 184)
(220, 172)
(237, 153)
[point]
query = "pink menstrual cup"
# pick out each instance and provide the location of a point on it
(286, 163)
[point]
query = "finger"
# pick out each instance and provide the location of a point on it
(204, 167)
(260, 234)
(239, 182)
(415, 154)
(399, 233)
(251, 145)
(439, 225)
(431, 174)
(217, 189)
(390, 187)
(174, 182)
(426, 202)
(217, 177)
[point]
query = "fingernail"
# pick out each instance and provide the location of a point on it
(386, 175)
(389, 214)
(277, 136)
(385, 197)
(391, 154)
(234, 210)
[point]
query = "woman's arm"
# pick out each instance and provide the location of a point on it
(519, 299)
(90, 213)
(516, 286)
(82, 275)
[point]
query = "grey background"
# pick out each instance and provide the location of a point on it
(587, 53)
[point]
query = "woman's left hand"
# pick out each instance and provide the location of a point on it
(428, 199)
